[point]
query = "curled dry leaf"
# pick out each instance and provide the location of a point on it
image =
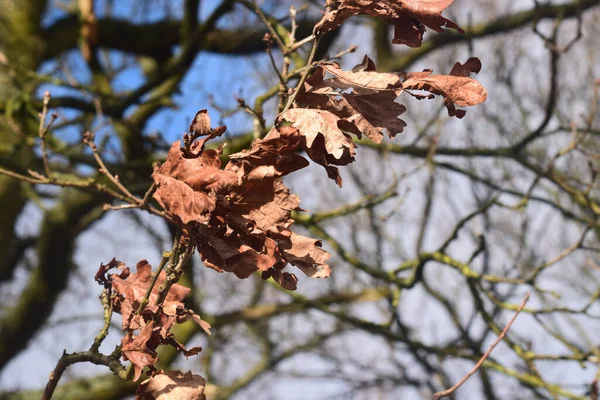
(278, 149)
(188, 187)
(319, 126)
(133, 289)
(101, 276)
(200, 127)
(457, 88)
(203, 324)
(285, 279)
(409, 17)
(473, 65)
(172, 385)
(306, 254)
(136, 350)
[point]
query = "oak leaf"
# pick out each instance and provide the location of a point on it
(325, 142)
(188, 186)
(172, 385)
(312, 123)
(306, 253)
(457, 89)
(366, 101)
(409, 17)
(135, 349)
(133, 289)
(277, 149)
(363, 97)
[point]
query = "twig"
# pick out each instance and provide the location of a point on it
(267, 40)
(447, 392)
(43, 131)
(89, 141)
(299, 44)
(175, 271)
(88, 184)
(166, 256)
(69, 359)
(293, 13)
(108, 310)
(283, 89)
(259, 120)
(342, 53)
(148, 195)
(266, 22)
(304, 75)
(108, 207)
(132, 200)
(172, 276)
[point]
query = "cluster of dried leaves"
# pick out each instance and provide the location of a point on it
(135, 296)
(363, 102)
(409, 17)
(239, 215)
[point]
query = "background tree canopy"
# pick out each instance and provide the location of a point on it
(436, 235)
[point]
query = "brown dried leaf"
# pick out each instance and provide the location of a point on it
(409, 17)
(205, 326)
(457, 89)
(223, 253)
(254, 210)
(172, 385)
(314, 123)
(363, 79)
(367, 104)
(236, 215)
(133, 289)
(306, 253)
(362, 97)
(325, 143)
(473, 65)
(370, 118)
(278, 149)
(101, 273)
(135, 350)
(265, 206)
(285, 279)
(188, 187)
(170, 339)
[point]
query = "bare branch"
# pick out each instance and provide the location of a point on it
(448, 392)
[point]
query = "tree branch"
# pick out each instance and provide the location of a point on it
(69, 359)
(157, 39)
(448, 392)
